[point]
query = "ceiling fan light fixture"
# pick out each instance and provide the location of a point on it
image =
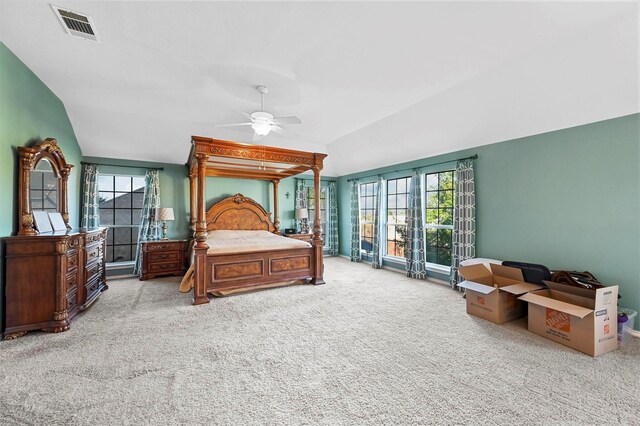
(261, 128)
(261, 122)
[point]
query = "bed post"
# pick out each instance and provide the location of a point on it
(316, 242)
(276, 217)
(200, 285)
(192, 210)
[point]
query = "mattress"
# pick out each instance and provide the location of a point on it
(226, 242)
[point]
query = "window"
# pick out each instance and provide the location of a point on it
(43, 188)
(367, 208)
(397, 202)
(439, 217)
(121, 199)
(311, 202)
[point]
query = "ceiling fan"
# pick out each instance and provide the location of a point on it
(261, 121)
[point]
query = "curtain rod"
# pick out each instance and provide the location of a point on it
(473, 157)
(117, 165)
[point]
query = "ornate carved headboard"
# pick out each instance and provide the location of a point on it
(238, 213)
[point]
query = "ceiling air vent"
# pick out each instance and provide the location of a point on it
(76, 24)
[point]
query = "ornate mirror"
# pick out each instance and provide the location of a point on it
(42, 180)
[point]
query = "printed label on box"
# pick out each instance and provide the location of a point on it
(606, 329)
(480, 300)
(558, 320)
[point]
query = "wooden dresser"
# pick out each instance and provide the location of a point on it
(163, 257)
(51, 277)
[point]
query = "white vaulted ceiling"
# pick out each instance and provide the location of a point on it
(374, 83)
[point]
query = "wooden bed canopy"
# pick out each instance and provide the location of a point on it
(220, 158)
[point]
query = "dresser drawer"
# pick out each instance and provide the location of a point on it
(92, 287)
(94, 253)
(71, 282)
(72, 298)
(94, 270)
(164, 257)
(94, 237)
(72, 244)
(72, 260)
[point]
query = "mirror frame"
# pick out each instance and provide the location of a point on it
(29, 158)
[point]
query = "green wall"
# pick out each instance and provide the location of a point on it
(568, 199)
(29, 112)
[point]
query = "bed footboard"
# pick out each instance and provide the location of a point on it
(246, 270)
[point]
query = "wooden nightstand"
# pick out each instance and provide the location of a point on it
(301, 237)
(163, 257)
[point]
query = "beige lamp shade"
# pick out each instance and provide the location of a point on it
(301, 213)
(165, 213)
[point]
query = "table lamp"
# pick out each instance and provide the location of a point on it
(302, 215)
(164, 214)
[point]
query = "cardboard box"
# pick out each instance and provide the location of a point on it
(585, 320)
(493, 294)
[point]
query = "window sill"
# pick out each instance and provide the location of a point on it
(431, 267)
(439, 269)
(395, 260)
(120, 265)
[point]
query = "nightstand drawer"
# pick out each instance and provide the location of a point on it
(164, 267)
(164, 257)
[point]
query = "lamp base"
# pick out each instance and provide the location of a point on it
(304, 226)
(164, 230)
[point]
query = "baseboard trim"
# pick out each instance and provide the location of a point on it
(121, 277)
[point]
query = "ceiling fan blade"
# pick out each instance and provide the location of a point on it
(280, 130)
(232, 125)
(244, 114)
(287, 120)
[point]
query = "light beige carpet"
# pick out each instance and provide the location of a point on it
(370, 347)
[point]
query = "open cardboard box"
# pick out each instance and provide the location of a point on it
(493, 294)
(583, 319)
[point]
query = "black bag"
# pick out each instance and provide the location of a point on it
(531, 272)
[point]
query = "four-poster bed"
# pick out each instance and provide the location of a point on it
(256, 263)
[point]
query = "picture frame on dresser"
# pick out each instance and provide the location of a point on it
(50, 276)
(41, 221)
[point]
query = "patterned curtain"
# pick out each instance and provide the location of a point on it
(354, 187)
(464, 219)
(90, 201)
(301, 199)
(149, 227)
(376, 261)
(332, 226)
(414, 253)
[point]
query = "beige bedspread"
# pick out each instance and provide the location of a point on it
(223, 242)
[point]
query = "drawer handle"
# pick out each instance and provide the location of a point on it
(164, 256)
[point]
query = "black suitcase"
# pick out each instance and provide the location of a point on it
(531, 272)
